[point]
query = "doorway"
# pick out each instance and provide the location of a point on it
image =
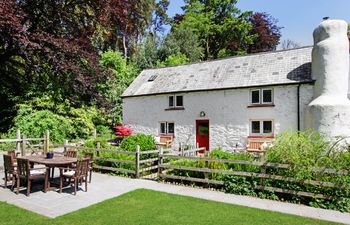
(202, 134)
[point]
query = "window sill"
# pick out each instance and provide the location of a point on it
(167, 135)
(261, 136)
(175, 108)
(261, 105)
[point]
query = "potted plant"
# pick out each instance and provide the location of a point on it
(49, 154)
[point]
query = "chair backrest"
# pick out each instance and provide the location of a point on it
(8, 164)
(71, 153)
(12, 153)
(23, 167)
(82, 167)
(166, 139)
(89, 156)
(256, 143)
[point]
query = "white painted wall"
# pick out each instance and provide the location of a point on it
(226, 111)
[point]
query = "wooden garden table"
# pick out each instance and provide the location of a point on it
(56, 161)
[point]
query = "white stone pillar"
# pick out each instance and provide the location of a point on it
(329, 112)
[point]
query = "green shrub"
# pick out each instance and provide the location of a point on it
(146, 142)
(36, 123)
(103, 131)
(92, 143)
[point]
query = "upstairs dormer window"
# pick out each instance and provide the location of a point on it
(261, 96)
(175, 101)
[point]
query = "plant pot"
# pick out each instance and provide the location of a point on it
(49, 155)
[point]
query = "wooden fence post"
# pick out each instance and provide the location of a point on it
(262, 170)
(137, 162)
(98, 146)
(206, 174)
(23, 150)
(46, 141)
(160, 162)
(18, 143)
(65, 146)
(94, 133)
(182, 149)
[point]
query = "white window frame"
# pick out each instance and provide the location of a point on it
(166, 128)
(261, 96)
(251, 97)
(175, 101)
(261, 133)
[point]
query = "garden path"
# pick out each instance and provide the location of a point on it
(53, 204)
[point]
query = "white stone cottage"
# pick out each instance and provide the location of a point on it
(222, 103)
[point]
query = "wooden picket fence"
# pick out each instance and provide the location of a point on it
(158, 162)
(164, 172)
(143, 167)
(23, 143)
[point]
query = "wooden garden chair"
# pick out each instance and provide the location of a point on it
(78, 174)
(28, 174)
(10, 170)
(71, 153)
(90, 157)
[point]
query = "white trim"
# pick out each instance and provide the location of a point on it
(262, 95)
(251, 97)
(261, 133)
(175, 101)
(166, 127)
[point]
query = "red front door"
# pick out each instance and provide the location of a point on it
(202, 133)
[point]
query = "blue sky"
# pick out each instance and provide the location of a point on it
(298, 17)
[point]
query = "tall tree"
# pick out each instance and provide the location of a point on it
(45, 46)
(127, 21)
(267, 32)
(219, 24)
(180, 41)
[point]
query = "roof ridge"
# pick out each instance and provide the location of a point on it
(230, 57)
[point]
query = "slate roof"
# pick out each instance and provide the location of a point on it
(271, 68)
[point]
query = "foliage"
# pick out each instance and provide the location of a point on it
(147, 56)
(151, 207)
(146, 142)
(304, 151)
(103, 130)
(82, 121)
(174, 60)
(36, 123)
(267, 32)
(181, 41)
(113, 88)
(219, 24)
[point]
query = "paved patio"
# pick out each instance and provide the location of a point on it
(53, 204)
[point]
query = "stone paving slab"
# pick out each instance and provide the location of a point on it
(53, 204)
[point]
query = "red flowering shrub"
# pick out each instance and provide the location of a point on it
(122, 131)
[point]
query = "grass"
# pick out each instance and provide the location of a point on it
(151, 207)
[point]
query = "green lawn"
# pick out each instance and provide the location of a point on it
(151, 207)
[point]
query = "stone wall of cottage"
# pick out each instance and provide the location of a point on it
(227, 111)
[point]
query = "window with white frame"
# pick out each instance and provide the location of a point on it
(261, 96)
(261, 127)
(167, 128)
(175, 101)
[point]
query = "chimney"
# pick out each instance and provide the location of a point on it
(329, 112)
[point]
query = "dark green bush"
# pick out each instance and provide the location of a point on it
(146, 142)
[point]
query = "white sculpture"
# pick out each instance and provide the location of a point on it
(329, 112)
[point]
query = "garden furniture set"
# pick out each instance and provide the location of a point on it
(20, 170)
